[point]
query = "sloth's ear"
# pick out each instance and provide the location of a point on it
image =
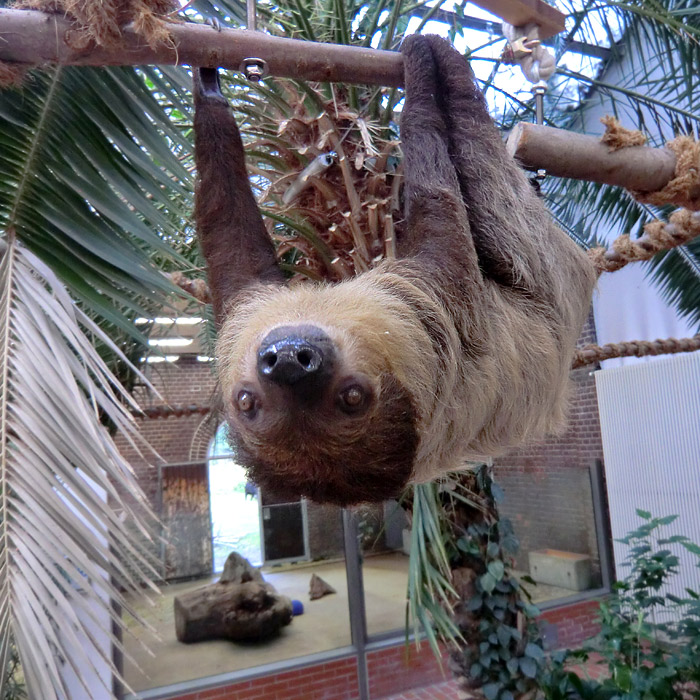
(233, 238)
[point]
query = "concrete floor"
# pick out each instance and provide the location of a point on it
(323, 626)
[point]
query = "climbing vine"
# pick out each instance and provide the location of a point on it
(476, 606)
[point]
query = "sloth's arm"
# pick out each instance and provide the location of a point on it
(231, 232)
(437, 228)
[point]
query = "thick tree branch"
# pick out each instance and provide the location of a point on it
(32, 37)
(568, 154)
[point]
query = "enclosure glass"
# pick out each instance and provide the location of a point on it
(212, 512)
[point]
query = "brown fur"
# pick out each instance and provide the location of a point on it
(464, 342)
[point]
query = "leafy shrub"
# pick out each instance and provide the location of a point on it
(650, 640)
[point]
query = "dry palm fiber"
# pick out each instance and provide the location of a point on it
(343, 211)
(101, 21)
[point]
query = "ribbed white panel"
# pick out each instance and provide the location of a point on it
(650, 422)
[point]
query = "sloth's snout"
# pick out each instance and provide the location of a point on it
(293, 354)
(289, 361)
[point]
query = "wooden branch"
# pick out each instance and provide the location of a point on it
(568, 154)
(28, 36)
(33, 37)
(550, 21)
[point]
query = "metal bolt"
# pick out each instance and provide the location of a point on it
(254, 69)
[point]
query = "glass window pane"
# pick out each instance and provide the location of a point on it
(211, 510)
(553, 518)
(384, 539)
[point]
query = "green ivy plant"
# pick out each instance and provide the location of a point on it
(462, 590)
(647, 658)
(499, 613)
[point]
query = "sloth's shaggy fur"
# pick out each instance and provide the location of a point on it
(463, 343)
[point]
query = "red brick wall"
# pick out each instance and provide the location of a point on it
(547, 484)
(573, 623)
(391, 670)
(335, 680)
(180, 383)
(402, 667)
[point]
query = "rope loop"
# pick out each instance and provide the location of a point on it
(525, 50)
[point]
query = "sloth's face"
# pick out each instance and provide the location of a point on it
(317, 411)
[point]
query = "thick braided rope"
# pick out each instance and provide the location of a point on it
(682, 227)
(177, 411)
(683, 190)
(593, 354)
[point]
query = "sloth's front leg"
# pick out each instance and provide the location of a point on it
(437, 226)
(235, 244)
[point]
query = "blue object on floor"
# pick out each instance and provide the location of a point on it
(297, 607)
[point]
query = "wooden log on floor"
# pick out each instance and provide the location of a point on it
(236, 611)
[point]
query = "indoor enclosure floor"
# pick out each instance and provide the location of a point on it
(324, 625)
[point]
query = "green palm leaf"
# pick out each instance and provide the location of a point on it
(95, 184)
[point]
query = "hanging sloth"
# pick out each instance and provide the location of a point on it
(458, 349)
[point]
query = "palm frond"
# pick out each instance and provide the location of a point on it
(430, 593)
(94, 184)
(68, 544)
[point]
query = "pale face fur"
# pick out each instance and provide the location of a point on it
(315, 447)
(433, 403)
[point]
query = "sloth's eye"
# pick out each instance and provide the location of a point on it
(352, 398)
(245, 401)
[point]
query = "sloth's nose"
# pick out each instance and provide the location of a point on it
(295, 354)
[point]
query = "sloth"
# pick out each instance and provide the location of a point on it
(458, 349)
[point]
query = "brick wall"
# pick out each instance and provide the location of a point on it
(184, 382)
(391, 670)
(547, 484)
(335, 680)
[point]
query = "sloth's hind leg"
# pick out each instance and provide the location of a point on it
(437, 229)
(508, 221)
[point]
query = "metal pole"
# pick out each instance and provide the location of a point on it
(356, 599)
(251, 16)
(602, 527)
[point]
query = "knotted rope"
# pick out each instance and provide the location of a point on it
(198, 288)
(593, 354)
(524, 49)
(682, 227)
(683, 190)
